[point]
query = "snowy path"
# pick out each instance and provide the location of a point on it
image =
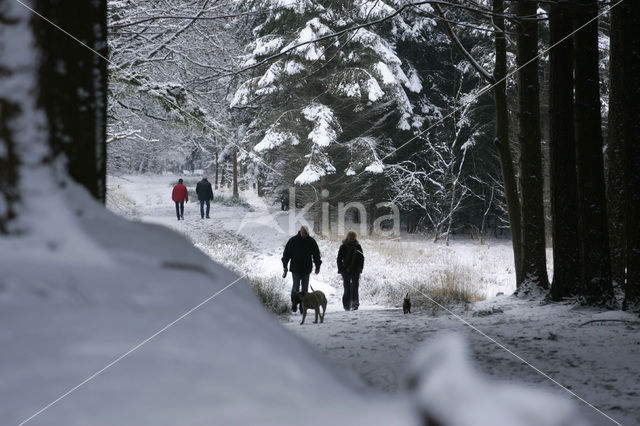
(598, 361)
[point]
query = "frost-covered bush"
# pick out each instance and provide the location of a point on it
(231, 201)
(118, 201)
(225, 251)
(271, 293)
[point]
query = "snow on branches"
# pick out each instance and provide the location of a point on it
(317, 89)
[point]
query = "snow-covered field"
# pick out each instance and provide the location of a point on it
(252, 242)
(592, 353)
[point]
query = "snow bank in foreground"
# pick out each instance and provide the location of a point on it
(227, 363)
(450, 391)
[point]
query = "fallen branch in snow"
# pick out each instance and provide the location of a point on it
(610, 320)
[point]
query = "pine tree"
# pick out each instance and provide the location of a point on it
(502, 142)
(441, 178)
(326, 105)
(615, 148)
(631, 82)
(564, 205)
(593, 235)
(534, 267)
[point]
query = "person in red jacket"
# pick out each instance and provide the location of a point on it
(179, 196)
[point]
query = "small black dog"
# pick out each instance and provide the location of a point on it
(406, 305)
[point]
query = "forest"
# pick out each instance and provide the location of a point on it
(484, 119)
(475, 118)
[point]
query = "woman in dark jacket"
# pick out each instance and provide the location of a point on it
(350, 263)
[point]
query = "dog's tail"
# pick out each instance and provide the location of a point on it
(311, 287)
(407, 296)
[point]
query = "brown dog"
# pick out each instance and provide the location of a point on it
(312, 300)
(406, 305)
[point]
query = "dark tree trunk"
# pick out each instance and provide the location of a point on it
(371, 216)
(319, 225)
(52, 102)
(534, 267)
(317, 218)
(564, 202)
(217, 168)
(235, 174)
(260, 186)
(594, 239)
(10, 112)
(376, 198)
(631, 81)
(502, 139)
(615, 149)
(412, 221)
(73, 81)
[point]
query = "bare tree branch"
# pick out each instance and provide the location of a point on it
(192, 18)
(447, 27)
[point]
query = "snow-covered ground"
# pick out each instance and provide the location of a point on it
(140, 328)
(107, 321)
(592, 353)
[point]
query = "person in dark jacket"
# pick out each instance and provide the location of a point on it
(205, 196)
(350, 264)
(301, 250)
(179, 195)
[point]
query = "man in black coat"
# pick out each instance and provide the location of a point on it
(205, 196)
(301, 250)
(350, 264)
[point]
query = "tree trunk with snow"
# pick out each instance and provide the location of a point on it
(52, 100)
(451, 212)
(631, 83)
(317, 218)
(260, 187)
(222, 175)
(564, 202)
(594, 239)
(22, 144)
(534, 267)
(502, 138)
(217, 169)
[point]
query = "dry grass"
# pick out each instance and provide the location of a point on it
(117, 200)
(271, 294)
(444, 288)
(454, 286)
